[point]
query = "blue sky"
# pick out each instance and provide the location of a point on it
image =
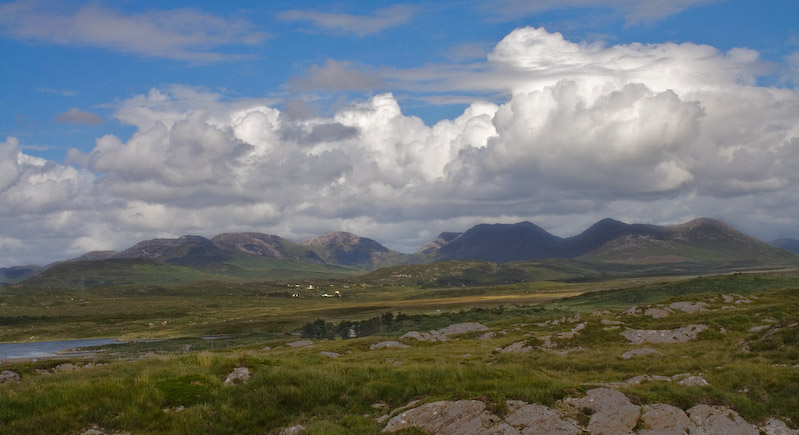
(134, 119)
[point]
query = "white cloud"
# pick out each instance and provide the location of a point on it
(77, 116)
(654, 133)
(9, 166)
(62, 92)
(336, 75)
(183, 34)
(634, 11)
(359, 25)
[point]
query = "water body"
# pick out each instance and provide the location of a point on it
(43, 349)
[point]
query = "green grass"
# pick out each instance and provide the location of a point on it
(335, 396)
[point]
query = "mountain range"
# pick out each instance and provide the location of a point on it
(248, 256)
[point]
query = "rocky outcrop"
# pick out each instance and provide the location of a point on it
(679, 335)
(97, 430)
(533, 418)
(600, 411)
(688, 307)
(239, 375)
(431, 336)
(518, 347)
(611, 411)
(709, 420)
(300, 343)
(777, 427)
(451, 418)
(442, 335)
(385, 344)
(662, 419)
(694, 381)
(462, 328)
(8, 376)
(657, 313)
(639, 352)
(293, 430)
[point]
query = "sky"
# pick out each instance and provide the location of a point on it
(127, 120)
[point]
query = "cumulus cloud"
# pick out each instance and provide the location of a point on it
(359, 25)
(651, 133)
(183, 34)
(77, 116)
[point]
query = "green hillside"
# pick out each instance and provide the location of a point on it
(185, 270)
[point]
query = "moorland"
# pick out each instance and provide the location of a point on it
(345, 351)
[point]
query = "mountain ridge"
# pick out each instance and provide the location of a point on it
(247, 255)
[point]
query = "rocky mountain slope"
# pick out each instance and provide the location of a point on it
(347, 249)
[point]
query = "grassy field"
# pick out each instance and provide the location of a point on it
(214, 308)
(143, 383)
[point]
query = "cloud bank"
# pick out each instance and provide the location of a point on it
(655, 133)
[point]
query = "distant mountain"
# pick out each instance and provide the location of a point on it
(347, 249)
(432, 248)
(608, 245)
(166, 261)
(790, 245)
(501, 243)
(265, 245)
(15, 274)
(702, 240)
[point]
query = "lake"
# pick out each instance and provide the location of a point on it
(47, 348)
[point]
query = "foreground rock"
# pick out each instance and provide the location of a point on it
(97, 430)
(8, 376)
(611, 411)
(442, 335)
(719, 420)
(679, 335)
(293, 430)
(386, 344)
(456, 418)
(518, 347)
(688, 307)
(533, 418)
(463, 328)
(639, 352)
(664, 419)
(777, 427)
(602, 411)
(238, 375)
(694, 381)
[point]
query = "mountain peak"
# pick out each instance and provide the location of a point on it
(337, 238)
(501, 243)
(352, 250)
